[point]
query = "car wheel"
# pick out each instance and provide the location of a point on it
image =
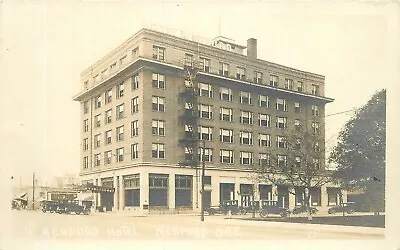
(333, 212)
(211, 212)
(351, 211)
(313, 211)
(243, 211)
(263, 214)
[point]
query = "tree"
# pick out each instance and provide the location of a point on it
(297, 161)
(360, 151)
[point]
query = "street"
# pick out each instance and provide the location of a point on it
(29, 225)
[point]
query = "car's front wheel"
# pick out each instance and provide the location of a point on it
(351, 211)
(263, 214)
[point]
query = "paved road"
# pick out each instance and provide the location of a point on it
(36, 226)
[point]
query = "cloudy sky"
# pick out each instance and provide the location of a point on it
(44, 47)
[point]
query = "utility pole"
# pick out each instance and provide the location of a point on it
(203, 169)
(33, 191)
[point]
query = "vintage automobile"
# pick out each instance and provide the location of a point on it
(50, 206)
(272, 207)
(253, 206)
(69, 207)
(303, 209)
(347, 207)
(224, 208)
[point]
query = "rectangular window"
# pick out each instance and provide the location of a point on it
(315, 127)
(264, 120)
(297, 107)
(135, 52)
(97, 122)
(316, 163)
(205, 133)
(226, 135)
(113, 66)
(134, 128)
(297, 144)
(134, 151)
(205, 111)
(108, 137)
(258, 77)
(240, 73)
(264, 140)
(97, 101)
(134, 105)
(135, 82)
(205, 64)
(280, 141)
(120, 90)
(297, 161)
(97, 141)
(108, 116)
(223, 69)
(85, 162)
(107, 157)
(273, 81)
(120, 111)
(188, 60)
(246, 158)
(225, 94)
(108, 96)
(158, 103)
(226, 114)
(85, 125)
(120, 133)
(226, 156)
(158, 127)
(263, 101)
(316, 147)
(264, 159)
(246, 138)
(282, 160)
(245, 97)
(314, 89)
(281, 122)
(289, 84)
(122, 60)
(158, 150)
(97, 160)
(208, 154)
(85, 144)
(246, 117)
(86, 107)
(315, 111)
(158, 53)
(120, 154)
(205, 90)
(297, 125)
(281, 104)
(158, 81)
(300, 87)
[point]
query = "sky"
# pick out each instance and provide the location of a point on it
(45, 46)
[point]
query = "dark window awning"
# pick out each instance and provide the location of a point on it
(95, 189)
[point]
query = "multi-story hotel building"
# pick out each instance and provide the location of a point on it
(132, 127)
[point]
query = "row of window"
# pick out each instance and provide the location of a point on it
(225, 156)
(204, 133)
(241, 72)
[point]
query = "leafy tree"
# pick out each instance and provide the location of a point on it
(360, 151)
(300, 163)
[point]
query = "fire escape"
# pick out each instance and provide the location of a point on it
(189, 119)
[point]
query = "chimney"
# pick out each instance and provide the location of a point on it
(252, 48)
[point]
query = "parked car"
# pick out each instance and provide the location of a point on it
(348, 207)
(72, 207)
(303, 209)
(224, 208)
(272, 207)
(50, 206)
(253, 206)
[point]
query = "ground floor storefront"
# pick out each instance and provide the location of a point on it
(171, 188)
